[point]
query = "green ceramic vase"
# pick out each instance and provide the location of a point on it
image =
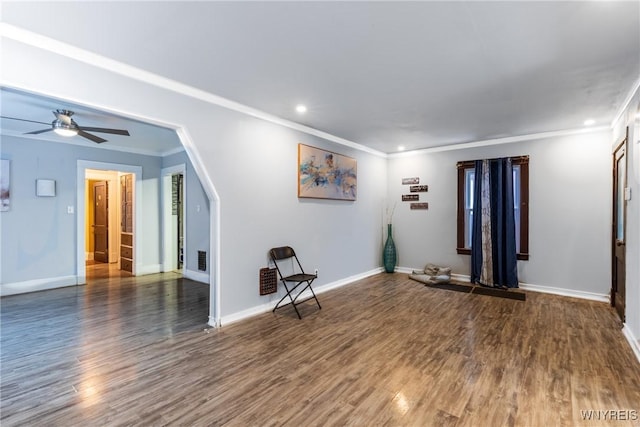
(389, 255)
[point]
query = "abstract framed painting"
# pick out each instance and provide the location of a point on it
(326, 175)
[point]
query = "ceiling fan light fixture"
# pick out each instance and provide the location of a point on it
(65, 129)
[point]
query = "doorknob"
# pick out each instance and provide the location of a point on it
(619, 243)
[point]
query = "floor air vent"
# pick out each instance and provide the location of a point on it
(202, 260)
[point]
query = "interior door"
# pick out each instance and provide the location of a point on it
(180, 198)
(101, 221)
(126, 223)
(618, 262)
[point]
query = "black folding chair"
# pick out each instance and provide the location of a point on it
(298, 276)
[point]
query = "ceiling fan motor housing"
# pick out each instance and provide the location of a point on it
(63, 124)
(59, 124)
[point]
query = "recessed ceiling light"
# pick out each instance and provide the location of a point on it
(589, 122)
(301, 109)
(400, 147)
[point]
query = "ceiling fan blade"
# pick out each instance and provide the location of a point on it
(24, 120)
(106, 130)
(93, 138)
(36, 132)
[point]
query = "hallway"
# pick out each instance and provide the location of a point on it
(101, 270)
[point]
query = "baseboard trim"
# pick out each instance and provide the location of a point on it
(268, 306)
(37, 285)
(633, 341)
(548, 290)
(566, 292)
(245, 314)
(347, 280)
(142, 270)
(212, 322)
(195, 275)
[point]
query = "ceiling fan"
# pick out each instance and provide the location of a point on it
(64, 125)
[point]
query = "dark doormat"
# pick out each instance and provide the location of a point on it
(479, 290)
(451, 287)
(502, 293)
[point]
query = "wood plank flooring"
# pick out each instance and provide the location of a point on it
(384, 351)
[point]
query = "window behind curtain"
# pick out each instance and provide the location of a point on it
(466, 178)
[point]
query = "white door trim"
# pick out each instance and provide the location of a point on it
(82, 166)
(165, 200)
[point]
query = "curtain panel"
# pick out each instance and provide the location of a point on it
(493, 246)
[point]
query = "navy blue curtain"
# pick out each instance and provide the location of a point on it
(493, 246)
(476, 232)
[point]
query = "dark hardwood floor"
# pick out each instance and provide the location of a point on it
(382, 351)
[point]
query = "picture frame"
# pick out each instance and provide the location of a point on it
(324, 174)
(419, 188)
(419, 206)
(5, 185)
(413, 180)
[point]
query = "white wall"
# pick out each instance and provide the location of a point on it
(38, 239)
(254, 168)
(569, 210)
(247, 166)
(38, 235)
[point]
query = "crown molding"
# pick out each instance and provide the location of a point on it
(498, 141)
(625, 104)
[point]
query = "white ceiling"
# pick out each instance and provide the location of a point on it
(381, 74)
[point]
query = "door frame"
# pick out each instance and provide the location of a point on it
(81, 171)
(165, 202)
(114, 214)
(623, 145)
